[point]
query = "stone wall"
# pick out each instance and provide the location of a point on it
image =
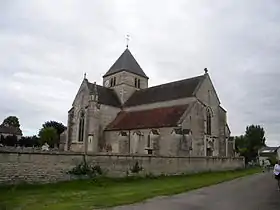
(100, 119)
(125, 77)
(163, 144)
(45, 167)
(195, 121)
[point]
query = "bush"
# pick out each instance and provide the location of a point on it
(150, 176)
(136, 168)
(29, 141)
(85, 169)
(97, 170)
(10, 141)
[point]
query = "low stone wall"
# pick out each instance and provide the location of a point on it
(46, 167)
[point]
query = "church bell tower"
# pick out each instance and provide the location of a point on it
(125, 76)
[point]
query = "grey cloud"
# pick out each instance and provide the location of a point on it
(46, 46)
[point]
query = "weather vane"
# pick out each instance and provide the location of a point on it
(127, 37)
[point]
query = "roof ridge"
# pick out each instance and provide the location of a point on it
(163, 107)
(176, 81)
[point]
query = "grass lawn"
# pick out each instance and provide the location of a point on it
(106, 192)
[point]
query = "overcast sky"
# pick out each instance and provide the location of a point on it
(46, 46)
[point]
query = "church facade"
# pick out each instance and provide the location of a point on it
(125, 116)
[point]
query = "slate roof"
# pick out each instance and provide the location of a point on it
(126, 62)
(105, 95)
(165, 92)
(10, 130)
(152, 118)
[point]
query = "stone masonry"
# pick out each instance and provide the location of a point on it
(43, 167)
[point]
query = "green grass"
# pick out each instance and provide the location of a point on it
(105, 192)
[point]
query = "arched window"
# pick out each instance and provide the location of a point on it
(81, 126)
(208, 122)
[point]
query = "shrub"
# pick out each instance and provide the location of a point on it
(80, 169)
(151, 176)
(85, 169)
(97, 170)
(136, 168)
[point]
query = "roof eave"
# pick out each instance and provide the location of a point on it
(120, 70)
(139, 128)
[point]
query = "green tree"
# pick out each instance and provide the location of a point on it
(48, 135)
(11, 141)
(35, 141)
(2, 139)
(255, 135)
(240, 143)
(59, 127)
(249, 144)
(11, 121)
(29, 141)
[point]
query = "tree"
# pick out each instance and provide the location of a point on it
(29, 141)
(2, 139)
(10, 141)
(239, 143)
(255, 135)
(48, 135)
(11, 121)
(59, 127)
(249, 144)
(35, 141)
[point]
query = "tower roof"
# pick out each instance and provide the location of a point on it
(126, 62)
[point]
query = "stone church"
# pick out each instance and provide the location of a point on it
(126, 116)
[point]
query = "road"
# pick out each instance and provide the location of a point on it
(255, 192)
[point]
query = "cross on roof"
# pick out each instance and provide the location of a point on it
(127, 37)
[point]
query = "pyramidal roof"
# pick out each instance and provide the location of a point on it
(126, 62)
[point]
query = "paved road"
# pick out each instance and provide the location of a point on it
(257, 192)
